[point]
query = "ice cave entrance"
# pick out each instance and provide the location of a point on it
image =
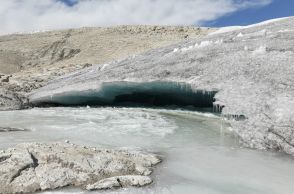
(146, 94)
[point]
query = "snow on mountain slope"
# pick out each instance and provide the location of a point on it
(251, 69)
(233, 28)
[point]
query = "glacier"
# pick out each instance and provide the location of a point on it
(250, 75)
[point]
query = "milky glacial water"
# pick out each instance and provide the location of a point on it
(200, 154)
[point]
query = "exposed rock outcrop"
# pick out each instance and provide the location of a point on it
(11, 100)
(35, 167)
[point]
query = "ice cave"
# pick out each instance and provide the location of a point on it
(132, 94)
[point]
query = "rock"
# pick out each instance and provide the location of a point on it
(87, 65)
(11, 100)
(120, 181)
(6, 79)
(38, 80)
(9, 129)
(36, 167)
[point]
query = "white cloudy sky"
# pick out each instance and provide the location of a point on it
(30, 15)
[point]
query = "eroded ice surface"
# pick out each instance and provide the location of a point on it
(199, 153)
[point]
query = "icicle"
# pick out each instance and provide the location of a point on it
(222, 132)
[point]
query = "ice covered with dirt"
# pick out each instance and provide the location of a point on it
(251, 69)
(199, 152)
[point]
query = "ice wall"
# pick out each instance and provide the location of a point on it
(135, 94)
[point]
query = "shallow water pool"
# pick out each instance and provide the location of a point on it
(200, 154)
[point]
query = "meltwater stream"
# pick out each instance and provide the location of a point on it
(200, 155)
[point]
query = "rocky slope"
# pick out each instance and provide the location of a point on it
(28, 61)
(35, 167)
(250, 68)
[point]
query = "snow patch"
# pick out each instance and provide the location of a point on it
(176, 50)
(266, 22)
(240, 35)
(260, 50)
(227, 29)
(198, 45)
(286, 30)
(259, 33)
(104, 67)
(234, 28)
(220, 41)
(203, 44)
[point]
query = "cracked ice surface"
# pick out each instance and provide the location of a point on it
(253, 74)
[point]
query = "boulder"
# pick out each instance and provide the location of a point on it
(34, 167)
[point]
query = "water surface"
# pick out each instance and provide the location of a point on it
(200, 154)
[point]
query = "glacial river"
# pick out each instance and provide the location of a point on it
(200, 154)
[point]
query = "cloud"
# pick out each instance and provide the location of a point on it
(30, 15)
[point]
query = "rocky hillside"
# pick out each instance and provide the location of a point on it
(28, 61)
(85, 45)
